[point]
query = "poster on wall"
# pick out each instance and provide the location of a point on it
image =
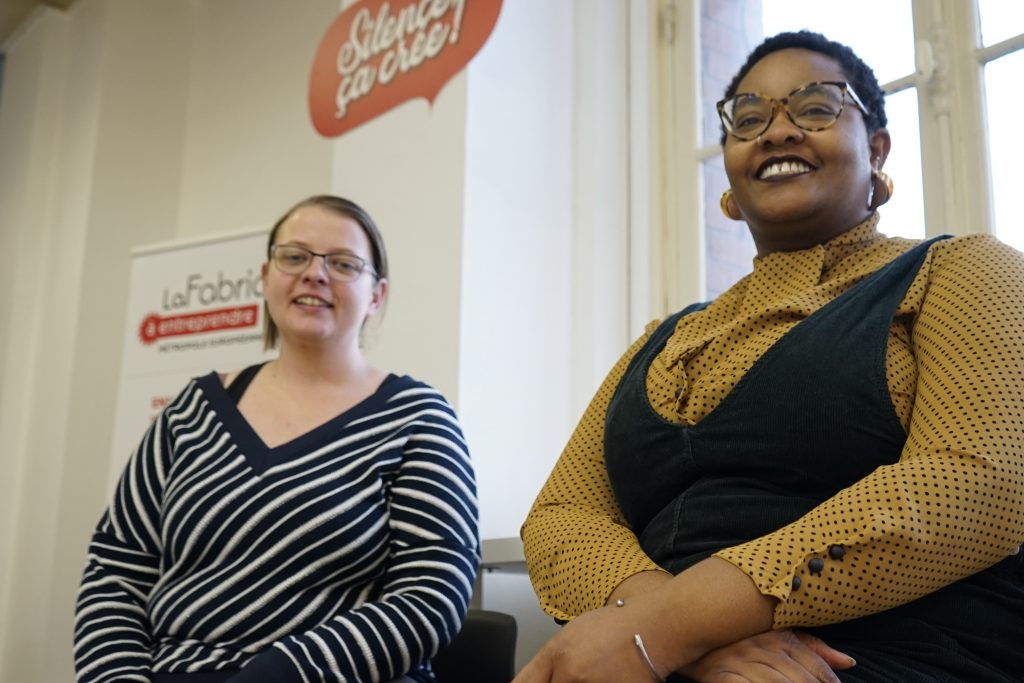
(378, 54)
(193, 307)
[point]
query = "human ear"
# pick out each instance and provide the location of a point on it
(879, 142)
(881, 188)
(380, 293)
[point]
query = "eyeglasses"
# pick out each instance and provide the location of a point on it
(812, 107)
(341, 266)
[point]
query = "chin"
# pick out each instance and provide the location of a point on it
(308, 334)
(782, 214)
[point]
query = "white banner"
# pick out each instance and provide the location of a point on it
(193, 307)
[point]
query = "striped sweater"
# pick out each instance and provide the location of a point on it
(347, 554)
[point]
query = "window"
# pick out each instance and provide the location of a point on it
(1002, 41)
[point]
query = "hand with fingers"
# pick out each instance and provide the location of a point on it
(784, 656)
(597, 647)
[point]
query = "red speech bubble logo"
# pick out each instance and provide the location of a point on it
(380, 53)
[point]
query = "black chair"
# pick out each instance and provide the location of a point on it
(484, 651)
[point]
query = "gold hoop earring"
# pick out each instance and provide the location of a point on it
(728, 205)
(882, 188)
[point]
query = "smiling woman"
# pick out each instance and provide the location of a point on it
(783, 172)
(313, 518)
(819, 475)
(340, 221)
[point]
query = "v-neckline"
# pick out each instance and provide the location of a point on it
(261, 457)
(738, 390)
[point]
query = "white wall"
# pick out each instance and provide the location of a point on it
(249, 150)
(31, 353)
(125, 122)
(546, 277)
(517, 322)
(516, 334)
(84, 130)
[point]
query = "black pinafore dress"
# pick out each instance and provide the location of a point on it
(811, 417)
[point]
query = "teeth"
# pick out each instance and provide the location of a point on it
(783, 168)
(310, 301)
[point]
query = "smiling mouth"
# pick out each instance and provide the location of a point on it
(784, 169)
(312, 301)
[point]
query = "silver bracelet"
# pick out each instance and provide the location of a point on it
(647, 659)
(639, 642)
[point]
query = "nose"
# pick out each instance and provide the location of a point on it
(780, 129)
(317, 269)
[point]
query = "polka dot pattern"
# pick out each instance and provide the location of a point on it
(952, 505)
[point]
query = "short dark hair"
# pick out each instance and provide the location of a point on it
(858, 74)
(343, 207)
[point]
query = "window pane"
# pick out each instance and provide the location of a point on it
(1006, 146)
(881, 32)
(903, 215)
(1000, 19)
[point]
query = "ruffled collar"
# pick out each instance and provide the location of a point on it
(823, 257)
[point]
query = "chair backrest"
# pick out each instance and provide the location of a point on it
(484, 651)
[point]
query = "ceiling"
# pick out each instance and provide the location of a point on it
(14, 12)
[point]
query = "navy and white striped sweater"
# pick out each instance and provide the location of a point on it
(347, 554)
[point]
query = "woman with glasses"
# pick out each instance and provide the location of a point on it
(818, 476)
(310, 519)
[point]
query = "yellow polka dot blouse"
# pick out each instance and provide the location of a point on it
(951, 506)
